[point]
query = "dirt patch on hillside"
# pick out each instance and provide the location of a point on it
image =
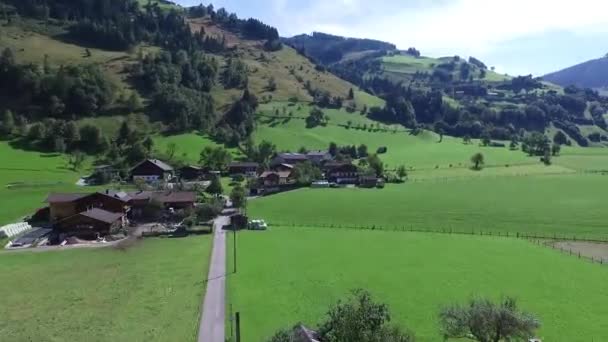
(591, 250)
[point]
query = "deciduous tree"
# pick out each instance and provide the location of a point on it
(483, 321)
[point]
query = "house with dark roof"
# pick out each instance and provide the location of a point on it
(289, 158)
(177, 200)
(91, 223)
(152, 170)
(191, 173)
(249, 169)
(342, 173)
(63, 205)
(319, 157)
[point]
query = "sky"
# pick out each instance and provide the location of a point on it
(518, 37)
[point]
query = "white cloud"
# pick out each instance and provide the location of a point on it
(437, 27)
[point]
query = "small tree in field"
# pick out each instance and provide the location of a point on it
(478, 160)
(483, 321)
(401, 172)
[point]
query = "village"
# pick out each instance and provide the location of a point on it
(163, 200)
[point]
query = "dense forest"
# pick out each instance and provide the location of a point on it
(177, 80)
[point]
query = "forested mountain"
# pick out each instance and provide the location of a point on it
(590, 74)
(327, 49)
(457, 96)
(65, 64)
(185, 69)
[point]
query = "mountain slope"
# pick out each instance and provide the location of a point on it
(590, 74)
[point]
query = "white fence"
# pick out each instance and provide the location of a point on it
(11, 230)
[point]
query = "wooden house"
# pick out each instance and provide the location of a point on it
(152, 170)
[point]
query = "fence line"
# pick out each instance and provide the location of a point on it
(540, 239)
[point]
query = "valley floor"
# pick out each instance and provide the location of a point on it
(289, 275)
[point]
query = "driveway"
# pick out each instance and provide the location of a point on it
(212, 326)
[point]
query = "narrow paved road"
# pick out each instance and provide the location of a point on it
(212, 327)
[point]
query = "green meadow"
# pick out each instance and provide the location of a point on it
(291, 275)
(26, 179)
(152, 291)
(422, 151)
(562, 205)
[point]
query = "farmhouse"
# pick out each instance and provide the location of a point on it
(342, 173)
(91, 223)
(64, 205)
(141, 200)
(249, 169)
(272, 178)
(319, 157)
(152, 170)
(191, 172)
(289, 158)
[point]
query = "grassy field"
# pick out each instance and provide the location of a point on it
(188, 146)
(151, 292)
(290, 275)
(567, 205)
(420, 152)
(32, 176)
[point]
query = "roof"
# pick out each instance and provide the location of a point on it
(159, 163)
(317, 153)
(281, 174)
(101, 215)
(293, 156)
(175, 197)
(64, 197)
(244, 164)
(194, 167)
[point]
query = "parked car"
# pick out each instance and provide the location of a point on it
(257, 225)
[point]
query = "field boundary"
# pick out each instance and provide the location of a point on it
(535, 238)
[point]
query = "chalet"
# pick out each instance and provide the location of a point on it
(152, 170)
(140, 200)
(272, 178)
(191, 173)
(319, 157)
(249, 169)
(65, 205)
(91, 223)
(342, 173)
(289, 158)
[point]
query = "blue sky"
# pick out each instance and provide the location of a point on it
(515, 36)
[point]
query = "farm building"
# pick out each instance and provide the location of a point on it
(289, 158)
(249, 169)
(91, 223)
(191, 172)
(64, 205)
(177, 200)
(342, 173)
(152, 170)
(319, 157)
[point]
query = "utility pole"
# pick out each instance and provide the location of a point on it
(238, 326)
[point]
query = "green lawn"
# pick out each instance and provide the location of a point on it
(566, 205)
(151, 292)
(290, 275)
